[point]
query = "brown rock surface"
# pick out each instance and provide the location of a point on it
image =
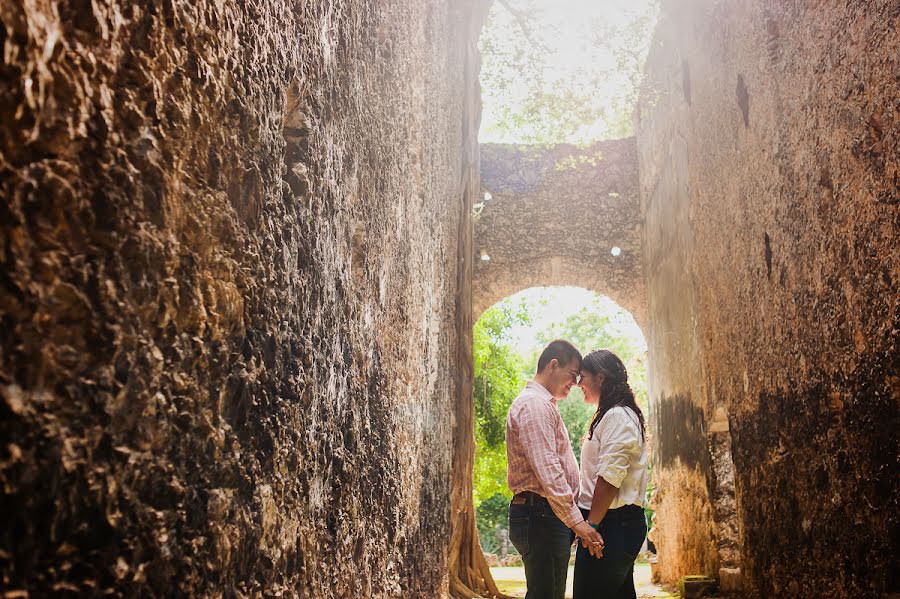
(227, 273)
(769, 143)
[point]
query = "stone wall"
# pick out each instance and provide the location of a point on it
(227, 280)
(769, 145)
(552, 218)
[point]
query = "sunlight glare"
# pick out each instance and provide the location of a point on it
(549, 305)
(577, 62)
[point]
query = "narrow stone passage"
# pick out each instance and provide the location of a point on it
(241, 257)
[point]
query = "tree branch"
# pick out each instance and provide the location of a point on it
(523, 20)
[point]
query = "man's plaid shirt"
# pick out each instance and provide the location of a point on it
(538, 452)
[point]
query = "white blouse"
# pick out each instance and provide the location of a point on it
(618, 453)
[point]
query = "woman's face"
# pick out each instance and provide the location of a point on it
(590, 384)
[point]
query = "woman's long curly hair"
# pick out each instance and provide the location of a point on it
(615, 390)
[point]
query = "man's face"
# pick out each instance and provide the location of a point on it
(563, 378)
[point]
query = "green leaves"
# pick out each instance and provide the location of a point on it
(498, 379)
(500, 374)
(563, 70)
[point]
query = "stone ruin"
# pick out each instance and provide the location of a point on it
(239, 261)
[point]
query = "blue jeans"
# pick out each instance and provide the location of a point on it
(611, 576)
(545, 544)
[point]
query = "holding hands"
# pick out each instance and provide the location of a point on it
(590, 538)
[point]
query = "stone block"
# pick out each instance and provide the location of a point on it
(730, 580)
(769, 193)
(692, 587)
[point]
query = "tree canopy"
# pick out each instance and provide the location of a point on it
(563, 70)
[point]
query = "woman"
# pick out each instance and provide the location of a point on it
(613, 480)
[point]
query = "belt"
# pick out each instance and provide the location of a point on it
(528, 498)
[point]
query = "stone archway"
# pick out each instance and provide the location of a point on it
(553, 216)
(544, 216)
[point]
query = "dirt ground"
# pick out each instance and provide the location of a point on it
(512, 582)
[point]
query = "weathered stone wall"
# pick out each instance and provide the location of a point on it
(769, 144)
(227, 275)
(553, 217)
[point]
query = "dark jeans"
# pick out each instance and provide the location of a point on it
(611, 576)
(545, 544)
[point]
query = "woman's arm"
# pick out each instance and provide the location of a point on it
(617, 444)
(604, 493)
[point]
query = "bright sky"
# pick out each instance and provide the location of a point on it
(549, 305)
(594, 49)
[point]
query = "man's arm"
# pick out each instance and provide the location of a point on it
(537, 436)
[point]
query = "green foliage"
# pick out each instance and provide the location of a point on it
(591, 328)
(489, 473)
(651, 487)
(588, 329)
(594, 327)
(498, 379)
(577, 416)
(489, 516)
(563, 70)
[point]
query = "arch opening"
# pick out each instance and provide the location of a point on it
(508, 338)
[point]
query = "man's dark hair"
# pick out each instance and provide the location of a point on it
(560, 350)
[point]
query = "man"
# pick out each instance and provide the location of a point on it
(543, 475)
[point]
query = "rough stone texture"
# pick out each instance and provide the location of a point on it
(728, 539)
(553, 216)
(227, 273)
(769, 141)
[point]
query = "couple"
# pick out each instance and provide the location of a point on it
(552, 503)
